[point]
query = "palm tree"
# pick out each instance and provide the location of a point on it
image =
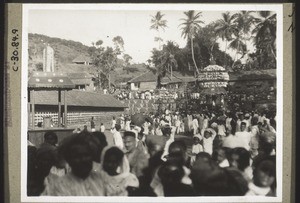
(225, 28)
(239, 46)
(190, 26)
(158, 23)
(244, 21)
(243, 24)
(265, 31)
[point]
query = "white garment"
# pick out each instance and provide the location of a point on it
(146, 128)
(224, 163)
(244, 137)
(102, 128)
(208, 142)
(167, 145)
(195, 125)
(118, 140)
(238, 125)
(127, 125)
(257, 191)
(208, 145)
(254, 130)
(113, 123)
(221, 130)
(228, 125)
(196, 149)
(205, 123)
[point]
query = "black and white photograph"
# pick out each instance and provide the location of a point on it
(152, 102)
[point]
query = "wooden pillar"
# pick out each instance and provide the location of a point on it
(33, 109)
(28, 108)
(66, 109)
(59, 108)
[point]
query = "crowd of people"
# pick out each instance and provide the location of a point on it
(223, 154)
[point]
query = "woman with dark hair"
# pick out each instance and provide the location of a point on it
(98, 142)
(174, 181)
(211, 180)
(40, 162)
(264, 179)
(239, 158)
(115, 173)
(81, 181)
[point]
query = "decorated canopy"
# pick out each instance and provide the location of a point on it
(213, 76)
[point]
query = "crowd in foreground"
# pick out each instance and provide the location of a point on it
(231, 155)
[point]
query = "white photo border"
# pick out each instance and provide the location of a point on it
(278, 8)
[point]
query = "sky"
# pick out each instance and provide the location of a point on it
(87, 26)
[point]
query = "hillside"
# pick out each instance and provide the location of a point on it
(65, 51)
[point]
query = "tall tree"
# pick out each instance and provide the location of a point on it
(240, 47)
(104, 60)
(127, 58)
(245, 22)
(158, 23)
(225, 28)
(265, 32)
(164, 61)
(119, 44)
(189, 28)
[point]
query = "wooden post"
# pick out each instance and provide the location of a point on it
(28, 108)
(66, 109)
(33, 109)
(59, 108)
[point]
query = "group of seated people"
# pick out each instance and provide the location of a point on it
(84, 164)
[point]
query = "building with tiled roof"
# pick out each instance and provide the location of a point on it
(82, 59)
(81, 106)
(79, 99)
(82, 80)
(148, 80)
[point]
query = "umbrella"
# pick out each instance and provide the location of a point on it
(213, 91)
(139, 119)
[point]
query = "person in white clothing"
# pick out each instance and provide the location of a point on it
(196, 147)
(167, 132)
(195, 125)
(205, 122)
(219, 156)
(264, 176)
(102, 128)
(127, 124)
(209, 135)
(244, 136)
(177, 125)
(118, 140)
(113, 122)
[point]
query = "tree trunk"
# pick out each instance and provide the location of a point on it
(225, 61)
(99, 81)
(236, 53)
(272, 51)
(109, 81)
(158, 85)
(193, 57)
(171, 72)
(211, 51)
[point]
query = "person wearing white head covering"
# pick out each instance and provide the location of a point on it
(115, 172)
(209, 135)
(196, 147)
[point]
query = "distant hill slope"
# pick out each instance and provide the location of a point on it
(65, 51)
